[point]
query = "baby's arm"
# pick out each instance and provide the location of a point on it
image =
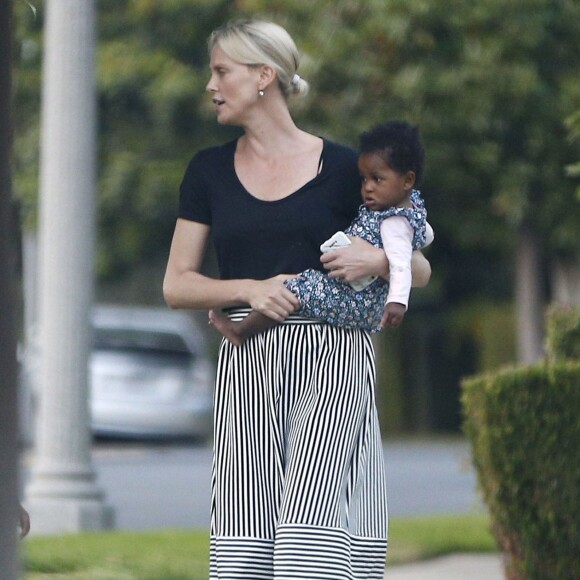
(397, 237)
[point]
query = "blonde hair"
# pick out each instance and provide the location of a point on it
(257, 42)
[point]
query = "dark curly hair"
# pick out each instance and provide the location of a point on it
(398, 143)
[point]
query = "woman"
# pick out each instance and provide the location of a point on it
(298, 484)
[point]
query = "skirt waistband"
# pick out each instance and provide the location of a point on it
(239, 313)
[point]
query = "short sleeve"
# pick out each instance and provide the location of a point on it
(193, 194)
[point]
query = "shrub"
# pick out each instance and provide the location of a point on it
(524, 430)
(563, 333)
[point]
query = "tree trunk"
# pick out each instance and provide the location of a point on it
(8, 372)
(528, 297)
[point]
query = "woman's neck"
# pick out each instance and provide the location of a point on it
(271, 134)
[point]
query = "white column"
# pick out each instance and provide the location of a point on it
(62, 495)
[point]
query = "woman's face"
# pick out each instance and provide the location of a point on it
(233, 86)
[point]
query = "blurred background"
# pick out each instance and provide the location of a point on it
(495, 89)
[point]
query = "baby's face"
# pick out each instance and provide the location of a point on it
(383, 187)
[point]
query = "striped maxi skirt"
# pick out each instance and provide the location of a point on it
(298, 485)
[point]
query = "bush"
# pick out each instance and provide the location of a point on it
(524, 430)
(563, 333)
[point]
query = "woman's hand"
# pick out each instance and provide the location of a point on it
(362, 259)
(358, 260)
(272, 298)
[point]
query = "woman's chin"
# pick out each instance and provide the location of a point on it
(224, 120)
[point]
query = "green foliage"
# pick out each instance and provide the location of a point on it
(184, 555)
(563, 333)
(525, 436)
(152, 70)
(491, 326)
(573, 124)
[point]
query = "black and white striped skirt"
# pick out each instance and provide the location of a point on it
(298, 486)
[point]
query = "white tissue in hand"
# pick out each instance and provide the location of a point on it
(340, 240)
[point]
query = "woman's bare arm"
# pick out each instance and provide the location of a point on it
(185, 287)
(420, 269)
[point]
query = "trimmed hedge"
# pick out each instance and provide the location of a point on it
(563, 333)
(523, 425)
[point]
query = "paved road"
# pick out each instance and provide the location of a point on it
(169, 485)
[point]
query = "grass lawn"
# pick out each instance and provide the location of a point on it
(182, 555)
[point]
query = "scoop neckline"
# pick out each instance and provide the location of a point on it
(292, 194)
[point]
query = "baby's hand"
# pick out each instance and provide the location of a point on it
(393, 314)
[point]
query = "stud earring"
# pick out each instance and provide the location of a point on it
(261, 93)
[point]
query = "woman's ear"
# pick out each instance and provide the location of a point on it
(267, 75)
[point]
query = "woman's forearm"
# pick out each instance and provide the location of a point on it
(195, 291)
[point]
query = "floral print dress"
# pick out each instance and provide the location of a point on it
(336, 302)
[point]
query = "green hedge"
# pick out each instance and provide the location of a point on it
(563, 333)
(523, 425)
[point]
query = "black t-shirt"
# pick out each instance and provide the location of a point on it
(260, 239)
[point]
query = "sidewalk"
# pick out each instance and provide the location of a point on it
(453, 567)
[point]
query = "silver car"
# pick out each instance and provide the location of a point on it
(151, 375)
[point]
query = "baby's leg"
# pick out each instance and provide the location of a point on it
(237, 332)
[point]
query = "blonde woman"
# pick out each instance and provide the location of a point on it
(298, 480)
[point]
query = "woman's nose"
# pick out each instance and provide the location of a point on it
(210, 87)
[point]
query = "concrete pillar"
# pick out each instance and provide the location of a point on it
(62, 495)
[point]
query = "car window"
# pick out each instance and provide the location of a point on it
(140, 341)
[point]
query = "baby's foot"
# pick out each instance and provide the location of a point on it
(225, 327)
